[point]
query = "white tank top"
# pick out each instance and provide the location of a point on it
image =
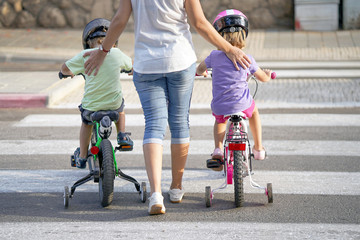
(163, 40)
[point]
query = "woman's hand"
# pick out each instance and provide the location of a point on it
(94, 62)
(236, 55)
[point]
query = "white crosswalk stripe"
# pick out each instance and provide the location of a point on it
(284, 182)
(178, 230)
(275, 147)
(73, 120)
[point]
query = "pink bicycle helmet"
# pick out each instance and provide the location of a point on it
(231, 20)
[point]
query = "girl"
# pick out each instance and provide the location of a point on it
(229, 86)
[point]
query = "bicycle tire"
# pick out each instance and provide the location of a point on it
(107, 173)
(238, 179)
(208, 200)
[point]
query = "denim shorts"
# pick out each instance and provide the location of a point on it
(85, 114)
(165, 99)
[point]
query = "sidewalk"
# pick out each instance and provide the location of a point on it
(30, 59)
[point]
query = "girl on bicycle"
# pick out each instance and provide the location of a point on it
(230, 89)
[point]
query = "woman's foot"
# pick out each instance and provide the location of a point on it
(176, 195)
(156, 204)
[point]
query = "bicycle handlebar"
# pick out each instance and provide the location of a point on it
(273, 75)
(125, 71)
(61, 75)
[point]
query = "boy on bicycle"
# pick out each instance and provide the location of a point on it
(103, 91)
(230, 89)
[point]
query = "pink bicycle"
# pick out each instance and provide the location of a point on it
(238, 159)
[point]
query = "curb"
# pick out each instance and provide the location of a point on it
(46, 98)
(29, 100)
(63, 88)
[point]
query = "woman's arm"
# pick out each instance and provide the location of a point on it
(117, 26)
(207, 31)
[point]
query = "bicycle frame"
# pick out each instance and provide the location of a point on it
(237, 156)
(101, 132)
(95, 145)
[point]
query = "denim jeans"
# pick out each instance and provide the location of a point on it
(165, 98)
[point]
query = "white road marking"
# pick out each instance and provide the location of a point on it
(274, 147)
(177, 230)
(284, 182)
(74, 120)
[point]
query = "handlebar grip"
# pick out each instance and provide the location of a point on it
(273, 75)
(61, 75)
(125, 71)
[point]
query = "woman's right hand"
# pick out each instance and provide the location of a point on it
(95, 60)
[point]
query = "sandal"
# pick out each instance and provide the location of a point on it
(216, 162)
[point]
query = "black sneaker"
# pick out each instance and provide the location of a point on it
(125, 142)
(80, 162)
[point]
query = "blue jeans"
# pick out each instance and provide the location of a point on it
(165, 98)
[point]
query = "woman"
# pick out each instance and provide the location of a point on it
(164, 71)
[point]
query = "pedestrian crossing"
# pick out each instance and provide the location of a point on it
(290, 188)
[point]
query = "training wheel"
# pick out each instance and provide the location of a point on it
(208, 196)
(66, 196)
(269, 192)
(143, 193)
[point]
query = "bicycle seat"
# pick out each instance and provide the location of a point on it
(97, 116)
(236, 117)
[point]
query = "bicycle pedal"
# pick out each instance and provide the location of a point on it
(213, 163)
(125, 148)
(72, 161)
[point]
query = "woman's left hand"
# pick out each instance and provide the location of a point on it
(236, 55)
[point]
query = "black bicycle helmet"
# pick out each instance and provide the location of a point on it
(94, 29)
(231, 20)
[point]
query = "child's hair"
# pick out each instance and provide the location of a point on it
(237, 39)
(94, 42)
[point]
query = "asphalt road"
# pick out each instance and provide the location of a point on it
(315, 181)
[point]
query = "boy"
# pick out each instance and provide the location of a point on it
(103, 91)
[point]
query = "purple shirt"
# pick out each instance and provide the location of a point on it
(230, 90)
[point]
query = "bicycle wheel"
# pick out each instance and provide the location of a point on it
(208, 196)
(143, 193)
(107, 173)
(66, 196)
(269, 193)
(238, 179)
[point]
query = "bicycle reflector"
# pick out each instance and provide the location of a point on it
(237, 146)
(94, 150)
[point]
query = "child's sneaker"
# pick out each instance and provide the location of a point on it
(80, 162)
(216, 162)
(125, 142)
(259, 155)
(156, 204)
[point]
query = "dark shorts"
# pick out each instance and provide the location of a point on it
(85, 114)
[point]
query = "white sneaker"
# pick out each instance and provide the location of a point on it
(156, 204)
(176, 195)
